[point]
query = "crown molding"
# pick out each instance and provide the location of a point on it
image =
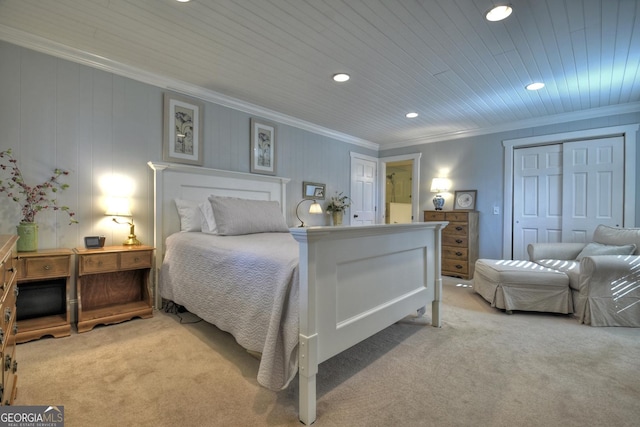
(632, 107)
(49, 47)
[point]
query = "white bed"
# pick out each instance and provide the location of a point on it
(353, 281)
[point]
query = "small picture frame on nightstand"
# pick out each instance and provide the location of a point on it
(465, 200)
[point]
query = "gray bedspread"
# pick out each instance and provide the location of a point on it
(245, 285)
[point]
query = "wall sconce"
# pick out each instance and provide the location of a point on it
(314, 208)
(439, 185)
(119, 207)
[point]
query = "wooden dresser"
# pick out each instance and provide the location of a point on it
(113, 285)
(8, 325)
(459, 241)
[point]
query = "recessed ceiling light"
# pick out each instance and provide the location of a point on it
(411, 115)
(498, 13)
(341, 77)
(534, 86)
(183, 1)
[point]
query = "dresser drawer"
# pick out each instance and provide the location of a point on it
(456, 229)
(455, 266)
(453, 240)
(454, 253)
(36, 268)
(434, 216)
(98, 263)
(457, 216)
(138, 259)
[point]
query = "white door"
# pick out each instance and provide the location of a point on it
(364, 175)
(537, 197)
(593, 174)
(562, 192)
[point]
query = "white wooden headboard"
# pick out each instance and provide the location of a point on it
(172, 181)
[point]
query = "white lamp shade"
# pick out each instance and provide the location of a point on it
(118, 206)
(439, 185)
(315, 208)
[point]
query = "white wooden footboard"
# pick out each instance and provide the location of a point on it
(356, 281)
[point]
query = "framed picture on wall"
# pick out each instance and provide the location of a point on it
(182, 136)
(263, 147)
(465, 200)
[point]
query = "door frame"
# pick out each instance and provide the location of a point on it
(415, 184)
(629, 133)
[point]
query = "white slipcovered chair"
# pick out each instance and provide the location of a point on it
(604, 276)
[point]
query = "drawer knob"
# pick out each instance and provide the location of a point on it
(7, 362)
(458, 241)
(459, 228)
(7, 314)
(458, 253)
(459, 267)
(47, 267)
(136, 259)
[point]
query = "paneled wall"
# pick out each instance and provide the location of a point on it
(100, 126)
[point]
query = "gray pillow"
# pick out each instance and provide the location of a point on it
(242, 216)
(600, 249)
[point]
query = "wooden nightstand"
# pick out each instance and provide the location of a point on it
(44, 294)
(113, 285)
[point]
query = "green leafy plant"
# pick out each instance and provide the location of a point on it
(338, 203)
(32, 199)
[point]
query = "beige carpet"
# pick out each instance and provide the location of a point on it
(482, 368)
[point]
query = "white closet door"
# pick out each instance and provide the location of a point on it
(537, 197)
(593, 173)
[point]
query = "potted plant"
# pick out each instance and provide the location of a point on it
(31, 199)
(337, 205)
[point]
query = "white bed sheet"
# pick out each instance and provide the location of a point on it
(245, 285)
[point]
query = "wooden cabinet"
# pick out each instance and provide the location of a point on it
(113, 285)
(459, 241)
(8, 325)
(44, 294)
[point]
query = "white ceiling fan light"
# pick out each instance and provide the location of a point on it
(498, 13)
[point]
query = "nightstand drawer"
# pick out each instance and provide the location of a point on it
(98, 263)
(36, 268)
(137, 259)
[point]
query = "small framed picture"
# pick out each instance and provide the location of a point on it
(263, 147)
(182, 139)
(465, 200)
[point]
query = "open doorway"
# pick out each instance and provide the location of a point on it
(399, 185)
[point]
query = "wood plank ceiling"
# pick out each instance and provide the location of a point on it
(439, 58)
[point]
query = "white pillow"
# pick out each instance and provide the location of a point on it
(189, 213)
(208, 221)
(241, 216)
(600, 249)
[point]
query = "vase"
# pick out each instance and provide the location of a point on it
(28, 241)
(337, 218)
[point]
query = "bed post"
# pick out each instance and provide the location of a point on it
(308, 338)
(437, 300)
(158, 241)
